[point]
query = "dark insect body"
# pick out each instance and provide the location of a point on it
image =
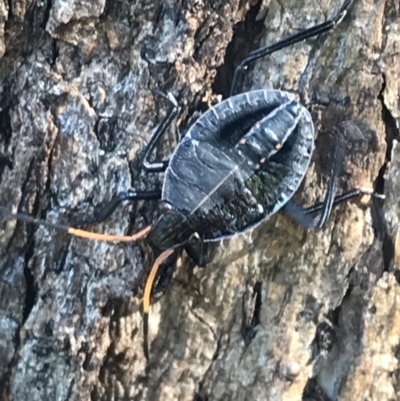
(241, 162)
(238, 164)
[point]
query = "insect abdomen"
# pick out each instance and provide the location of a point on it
(240, 162)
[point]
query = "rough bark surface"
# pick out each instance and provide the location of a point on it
(279, 313)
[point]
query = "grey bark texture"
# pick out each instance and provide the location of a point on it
(279, 313)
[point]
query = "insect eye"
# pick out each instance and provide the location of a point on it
(165, 207)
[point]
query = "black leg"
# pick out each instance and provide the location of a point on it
(151, 167)
(117, 199)
(299, 214)
(198, 253)
(156, 167)
(351, 193)
(307, 33)
(305, 217)
(336, 167)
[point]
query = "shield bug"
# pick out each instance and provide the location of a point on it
(238, 164)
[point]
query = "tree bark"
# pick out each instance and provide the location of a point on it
(279, 313)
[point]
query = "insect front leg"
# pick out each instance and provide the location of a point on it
(150, 167)
(116, 200)
(291, 40)
(157, 167)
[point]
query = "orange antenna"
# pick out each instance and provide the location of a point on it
(77, 232)
(147, 298)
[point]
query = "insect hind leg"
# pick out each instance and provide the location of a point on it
(291, 40)
(305, 217)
